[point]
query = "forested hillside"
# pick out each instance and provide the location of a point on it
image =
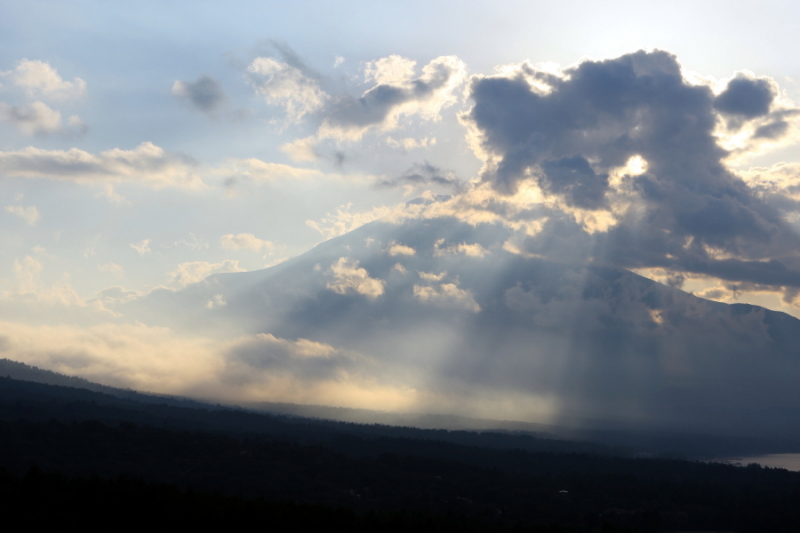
(88, 439)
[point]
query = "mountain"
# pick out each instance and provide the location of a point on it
(453, 311)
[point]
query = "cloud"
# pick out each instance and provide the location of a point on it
(410, 143)
(347, 278)
(424, 174)
(29, 214)
(35, 118)
(205, 93)
(245, 241)
(447, 295)
(345, 221)
(193, 243)
(112, 268)
(469, 250)
(147, 163)
(142, 248)
(304, 149)
(281, 84)
(136, 356)
(109, 298)
(392, 70)
(259, 367)
(109, 193)
(29, 288)
(574, 178)
(400, 269)
(305, 359)
(76, 128)
(396, 94)
(41, 80)
(258, 170)
(430, 276)
(561, 142)
(27, 273)
(778, 185)
(194, 271)
(746, 97)
(396, 248)
(216, 302)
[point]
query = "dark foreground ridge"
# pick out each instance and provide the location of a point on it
(320, 424)
(57, 443)
(96, 501)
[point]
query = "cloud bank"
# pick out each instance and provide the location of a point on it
(570, 137)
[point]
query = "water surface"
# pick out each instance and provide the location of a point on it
(789, 461)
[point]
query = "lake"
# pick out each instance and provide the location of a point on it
(789, 461)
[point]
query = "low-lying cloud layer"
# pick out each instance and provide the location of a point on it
(147, 163)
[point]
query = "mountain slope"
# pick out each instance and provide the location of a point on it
(442, 307)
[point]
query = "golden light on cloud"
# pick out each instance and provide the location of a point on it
(636, 166)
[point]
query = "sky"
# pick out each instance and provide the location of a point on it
(145, 146)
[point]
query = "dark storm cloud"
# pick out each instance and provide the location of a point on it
(574, 178)
(424, 174)
(745, 97)
(604, 112)
(773, 130)
(692, 213)
(205, 93)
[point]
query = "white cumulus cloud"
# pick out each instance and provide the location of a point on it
(36, 118)
(29, 214)
(346, 278)
(41, 80)
(396, 248)
(284, 85)
(345, 221)
(194, 271)
(470, 250)
(447, 295)
(142, 247)
(245, 241)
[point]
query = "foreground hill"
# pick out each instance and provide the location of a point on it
(483, 479)
(77, 399)
(442, 307)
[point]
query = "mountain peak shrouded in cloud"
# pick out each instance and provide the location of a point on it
(495, 334)
(535, 243)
